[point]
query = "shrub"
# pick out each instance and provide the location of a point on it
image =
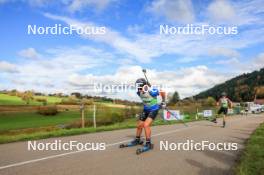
(210, 101)
(13, 92)
(131, 112)
(27, 97)
(42, 100)
(70, 101)
(106, 117)
(47, 110)
(117, 117)
(78, 124)
(87, 101)
(104, 120)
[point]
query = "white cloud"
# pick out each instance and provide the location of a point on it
(51, 72)
(125, 74)
(218, 51)
(79, 5)
(112, 38)
(132, 29)
(258, 62)
(231, 62)
(237, 13)
(187, 81)
(67, 5)
(29, 53)
(7, 67)
(63, 70)
(221, 11)
(174, 11)
(144, 47)
(191, 80)
(245, 66)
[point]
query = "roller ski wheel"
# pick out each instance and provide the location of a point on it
(122, 146)
(131, 144)
(144, 149)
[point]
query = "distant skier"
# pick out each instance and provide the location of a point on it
(149, 97)
(224, 102)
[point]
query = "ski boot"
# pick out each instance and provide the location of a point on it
(135, 142)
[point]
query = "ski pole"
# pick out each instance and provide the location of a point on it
(145, 72)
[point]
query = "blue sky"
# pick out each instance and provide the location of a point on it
(186, 63)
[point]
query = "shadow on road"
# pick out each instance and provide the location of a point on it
(204, 169)
(223, 157)
(239, 140)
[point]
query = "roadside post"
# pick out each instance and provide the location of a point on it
(82, 114)
(196, 115)
(94, 115)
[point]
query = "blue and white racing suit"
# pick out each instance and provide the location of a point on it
(150, 102)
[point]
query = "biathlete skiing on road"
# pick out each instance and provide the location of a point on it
(224, 102)
(149, 96)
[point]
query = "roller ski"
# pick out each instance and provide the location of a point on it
(146, 147)
(214, 120)
(131, 144)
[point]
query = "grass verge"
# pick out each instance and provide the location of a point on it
(252, 159)
(129, 123)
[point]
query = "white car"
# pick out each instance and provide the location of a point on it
(256, 109)
(253, 108)
(262, 108)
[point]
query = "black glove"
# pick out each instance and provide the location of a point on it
(163, 105)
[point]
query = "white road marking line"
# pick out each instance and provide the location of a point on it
(74, 152)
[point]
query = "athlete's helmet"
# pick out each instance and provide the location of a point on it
(223, 94)
(141, 82)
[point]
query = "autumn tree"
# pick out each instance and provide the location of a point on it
(27, 96)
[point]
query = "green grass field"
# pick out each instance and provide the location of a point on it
(22, 120)
(252, 160)
(10, 100)
(6, 99)
(51, 99)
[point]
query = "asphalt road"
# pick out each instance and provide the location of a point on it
(16, 159)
